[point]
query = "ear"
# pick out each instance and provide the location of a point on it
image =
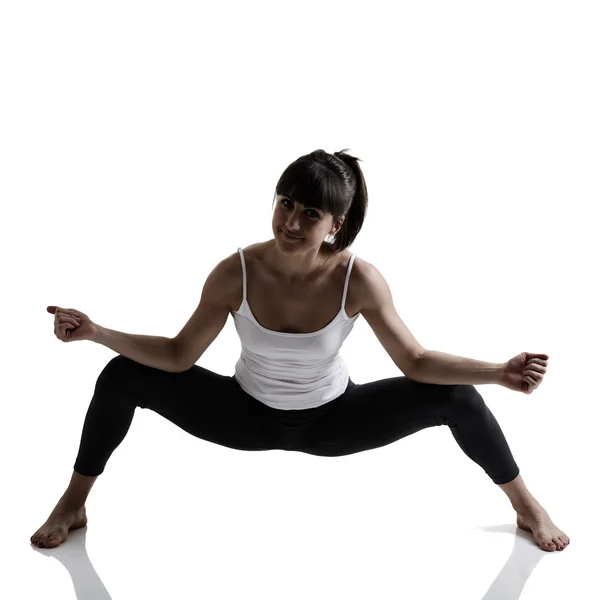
(339, 226)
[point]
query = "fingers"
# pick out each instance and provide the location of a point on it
(66, 313)
(534, 379)
(70, 320)
(537, 365)
(533, 384)
(64, 322)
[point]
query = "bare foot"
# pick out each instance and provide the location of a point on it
(55, 530)
(545, 533)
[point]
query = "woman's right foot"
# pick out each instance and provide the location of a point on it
(55, 530)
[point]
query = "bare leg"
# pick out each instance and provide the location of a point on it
(68, 514)
(531, 516)
(77, 492)
(518, 494)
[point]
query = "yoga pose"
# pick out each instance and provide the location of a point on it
(294, 299)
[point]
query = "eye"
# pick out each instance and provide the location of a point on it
(310, 210)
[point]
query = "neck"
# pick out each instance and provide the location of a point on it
(296, 267)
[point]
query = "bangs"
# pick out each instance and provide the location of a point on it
(313, 185)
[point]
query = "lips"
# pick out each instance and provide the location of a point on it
(292, 236)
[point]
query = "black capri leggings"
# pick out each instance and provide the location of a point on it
(214, 408)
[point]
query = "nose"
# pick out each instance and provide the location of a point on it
(291, 227)
(293, 223)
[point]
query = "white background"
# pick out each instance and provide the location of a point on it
(140, 145)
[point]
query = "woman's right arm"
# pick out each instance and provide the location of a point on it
(72, 325)
(173, 355)
(153, 351)
(180, 353)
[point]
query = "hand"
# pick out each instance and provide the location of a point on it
(524, 372)
(72, 325)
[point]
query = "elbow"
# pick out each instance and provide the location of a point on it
(179, 363)
(414, 364)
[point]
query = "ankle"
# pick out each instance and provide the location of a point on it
(68, 507)
(528, 507)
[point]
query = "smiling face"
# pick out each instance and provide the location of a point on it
(311, 225)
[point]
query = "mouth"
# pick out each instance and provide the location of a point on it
(289, 237)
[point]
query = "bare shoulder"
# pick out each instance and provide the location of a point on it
(364, 280)
(230, 274)
(360, 269)
(233, 263)
(372, 289)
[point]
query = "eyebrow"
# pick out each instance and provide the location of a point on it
(307, 207)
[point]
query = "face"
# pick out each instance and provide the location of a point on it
(309, 224)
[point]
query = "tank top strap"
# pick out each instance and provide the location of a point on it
(350, 263)
(348, 272)
(241, 251)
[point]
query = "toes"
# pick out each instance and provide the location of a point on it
(549, 545)
(563, 541)
(36, 538)
(41, 541)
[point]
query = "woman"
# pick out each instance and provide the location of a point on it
(291, 389)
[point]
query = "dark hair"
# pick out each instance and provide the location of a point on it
(331, 182)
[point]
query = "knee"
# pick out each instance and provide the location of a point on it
(116, 363)
(115, 369)
(467, 397)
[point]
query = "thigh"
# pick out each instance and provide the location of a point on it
(206, 404)
(377, 413)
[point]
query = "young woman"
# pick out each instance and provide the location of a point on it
(294, 299)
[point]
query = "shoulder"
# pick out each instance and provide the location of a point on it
(363, 283)
(229, 273)
(372, 289)
(232, 264)
(366, 282)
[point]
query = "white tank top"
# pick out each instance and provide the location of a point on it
(292, 371)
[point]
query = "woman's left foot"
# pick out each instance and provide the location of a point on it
(545, 533)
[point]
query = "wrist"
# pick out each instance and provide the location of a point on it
(99, 336)
(501, 370)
